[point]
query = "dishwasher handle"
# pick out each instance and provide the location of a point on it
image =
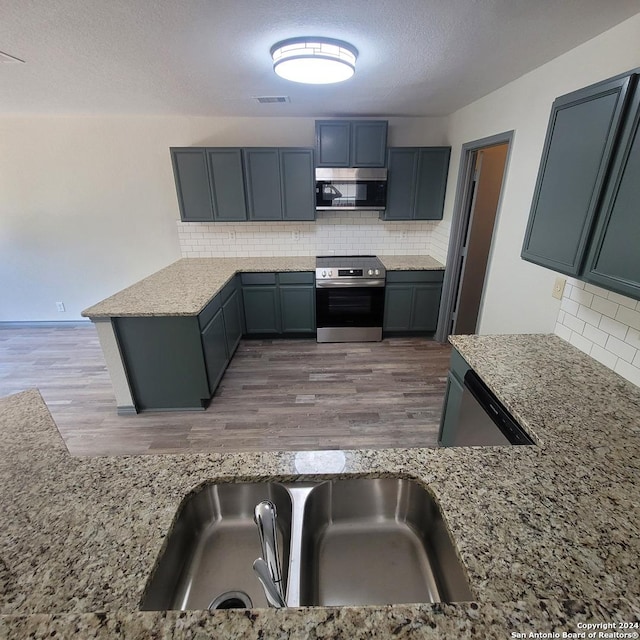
(495, 409)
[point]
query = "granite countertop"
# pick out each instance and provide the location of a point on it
(549, 534)
(185, 287)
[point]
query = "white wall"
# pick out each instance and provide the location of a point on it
(88, 204)
(517, 296)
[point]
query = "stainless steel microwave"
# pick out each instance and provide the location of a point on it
(351, 189)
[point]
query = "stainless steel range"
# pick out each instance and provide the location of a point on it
(349, 298)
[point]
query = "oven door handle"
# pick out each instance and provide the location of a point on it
(348, 282)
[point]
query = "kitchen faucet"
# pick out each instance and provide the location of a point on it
(268, 567)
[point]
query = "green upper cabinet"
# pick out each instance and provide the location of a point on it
(351, 143)
(368, 143)
(262, 179)
(227, 184)
(614, 256)
(298, 184)
(582, 132)
(279, 183)
(191, 174)
(333, 142)
(416, 183)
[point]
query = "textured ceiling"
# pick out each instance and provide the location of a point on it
(209, 57)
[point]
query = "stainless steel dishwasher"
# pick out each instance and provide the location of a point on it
(483, 420)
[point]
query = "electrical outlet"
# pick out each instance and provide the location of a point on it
(60, 306)
(558, 288)
(295, 235)
(232, 235)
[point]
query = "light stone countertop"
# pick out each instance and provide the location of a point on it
(549, 534)
(185, 287)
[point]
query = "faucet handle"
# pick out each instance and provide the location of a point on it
(271, 591)
(265, 517)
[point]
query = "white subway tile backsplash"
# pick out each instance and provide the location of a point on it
(621, 349)
(633, 337)
(597, 336)
(581, 343)
(581, 296)
(629, 317)
(628, 371)
(563, 331)
(575, 324)
(359, 232)
(623, 300)
(589, 315)
(598, 291)
(570, 306)
(604, 325)
(607, 358)
(614, 327)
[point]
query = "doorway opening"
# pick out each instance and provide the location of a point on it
(482, 170)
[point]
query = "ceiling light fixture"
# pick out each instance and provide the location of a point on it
(314, 60)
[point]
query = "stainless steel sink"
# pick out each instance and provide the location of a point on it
(211, 548)
(377, 541)
(342, 542)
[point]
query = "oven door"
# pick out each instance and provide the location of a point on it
(349, 314)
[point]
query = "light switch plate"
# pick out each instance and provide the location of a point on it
(558, 288)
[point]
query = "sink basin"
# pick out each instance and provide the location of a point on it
(342, 542)
(377, 541)
(211, 547)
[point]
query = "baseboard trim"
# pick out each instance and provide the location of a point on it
(44, 324)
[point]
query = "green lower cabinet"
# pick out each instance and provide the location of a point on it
(232, 322)
(261, 309)
(164, 360)
(398, 301)
(426, 304)
(412, 302)
(297, 304)
(214, 345)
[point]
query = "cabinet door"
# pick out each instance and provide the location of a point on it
(431, 182)
(577, 150)
(262, 179)
(214, 345)
(333, 141)
(614, 258)
(297, 304)
(368, 143)
(192, 184)
(227, 184)
(298, 184)
(164, 363)
(398, 300)
(261, 309)
(425, 307)
(232, 322)
(401, 183)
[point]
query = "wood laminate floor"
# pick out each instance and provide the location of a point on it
(275, 395)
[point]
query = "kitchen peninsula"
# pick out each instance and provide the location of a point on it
(200, 304)
(549, 534)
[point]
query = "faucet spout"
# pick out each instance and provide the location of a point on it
(268, 567)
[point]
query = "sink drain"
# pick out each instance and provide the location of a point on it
(231, 600)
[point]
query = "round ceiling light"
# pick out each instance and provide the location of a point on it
(314, 60)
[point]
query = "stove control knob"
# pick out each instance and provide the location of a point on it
(370, 272)
(324, 273)
(330, 273)
(377, 272)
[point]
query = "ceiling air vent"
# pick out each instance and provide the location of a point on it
(5, 57)
(271, 99)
